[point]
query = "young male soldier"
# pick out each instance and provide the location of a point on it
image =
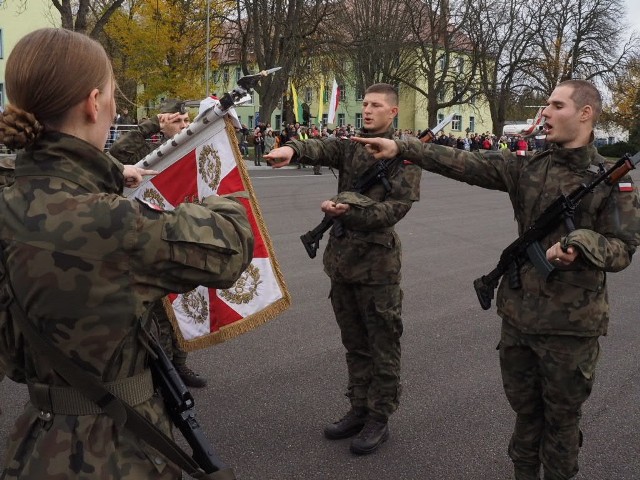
(549, 341)
(362, 259)
(130, 148)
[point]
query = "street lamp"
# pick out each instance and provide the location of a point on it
(206, 93)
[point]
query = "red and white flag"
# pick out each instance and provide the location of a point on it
(625, 186)
(204, 159)
(334, 102)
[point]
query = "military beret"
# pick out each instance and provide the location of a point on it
(171, 105)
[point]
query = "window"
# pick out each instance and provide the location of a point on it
(341, 120)
(395, 122)
(278, 124)
(472, 124)
(456, 123)
(308, 95)
(343, 93)
(238, 74)
(359, 94)
(325, 119)
(326, 93)
(442, 63)
(358, 121)
(460, 65)
(250, 122)
(441, 95)
(225, 76)
(440, 117)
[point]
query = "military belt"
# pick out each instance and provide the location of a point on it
(69, 401)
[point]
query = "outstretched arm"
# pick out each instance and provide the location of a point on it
(378, 147)
(279, 157)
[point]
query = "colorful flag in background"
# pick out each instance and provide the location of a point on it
(334, 102)
(321, 99)
(204, 159)
(297, 107)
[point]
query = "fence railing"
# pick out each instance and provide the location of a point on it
(114, 134)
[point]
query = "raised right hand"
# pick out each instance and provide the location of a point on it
(279, 157)
(378, 147)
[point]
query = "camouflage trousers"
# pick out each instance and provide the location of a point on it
(168, 338)
(369, 317)
(546, 379)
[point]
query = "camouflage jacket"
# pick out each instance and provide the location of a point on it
(370, 250)
(7, 166)
(574, 301)
(133, 146)
(86, 263)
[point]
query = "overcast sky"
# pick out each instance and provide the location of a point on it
(633, 13)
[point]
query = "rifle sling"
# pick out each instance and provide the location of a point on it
(122, 413)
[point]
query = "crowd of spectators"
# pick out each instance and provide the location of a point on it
(475, 142)
(269, 138)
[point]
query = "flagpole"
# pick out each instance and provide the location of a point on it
(207, 93)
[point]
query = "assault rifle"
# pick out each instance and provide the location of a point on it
(180, 405)
(528, 247)
(377, 173)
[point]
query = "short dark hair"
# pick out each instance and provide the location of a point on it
(585, 93)
(389, 90)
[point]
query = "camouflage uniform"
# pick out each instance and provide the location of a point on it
(86, 264)
(7, 165)
(364, 268)
(133, 146)
(549, 342)
(130, 148)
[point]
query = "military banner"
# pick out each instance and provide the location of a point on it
(204, 159)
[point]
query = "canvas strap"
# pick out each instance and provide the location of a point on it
(122, 413)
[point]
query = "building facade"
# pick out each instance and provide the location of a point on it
(17, 18)
(469, 118)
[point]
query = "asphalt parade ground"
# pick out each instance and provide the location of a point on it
(272, 390)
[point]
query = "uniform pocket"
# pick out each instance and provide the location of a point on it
(591, 280)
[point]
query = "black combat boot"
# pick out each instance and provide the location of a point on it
(348, 425)
(374, 433)
(189, 377)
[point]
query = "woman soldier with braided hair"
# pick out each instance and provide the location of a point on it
(85, 264)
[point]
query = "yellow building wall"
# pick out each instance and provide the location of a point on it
(413, 114)
(17, 18)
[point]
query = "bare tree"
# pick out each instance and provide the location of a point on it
(579, 39)
(373, 36)
(624, 110)
(270, 33)
(86, 16)
(446, 69)
(503, 47)
(83, 16)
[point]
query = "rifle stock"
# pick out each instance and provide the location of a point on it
(311, 239)
(527, 247)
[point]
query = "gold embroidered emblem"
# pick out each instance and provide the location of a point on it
(153, 197)
(210, 166)
(195, 306)
(246, 287)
